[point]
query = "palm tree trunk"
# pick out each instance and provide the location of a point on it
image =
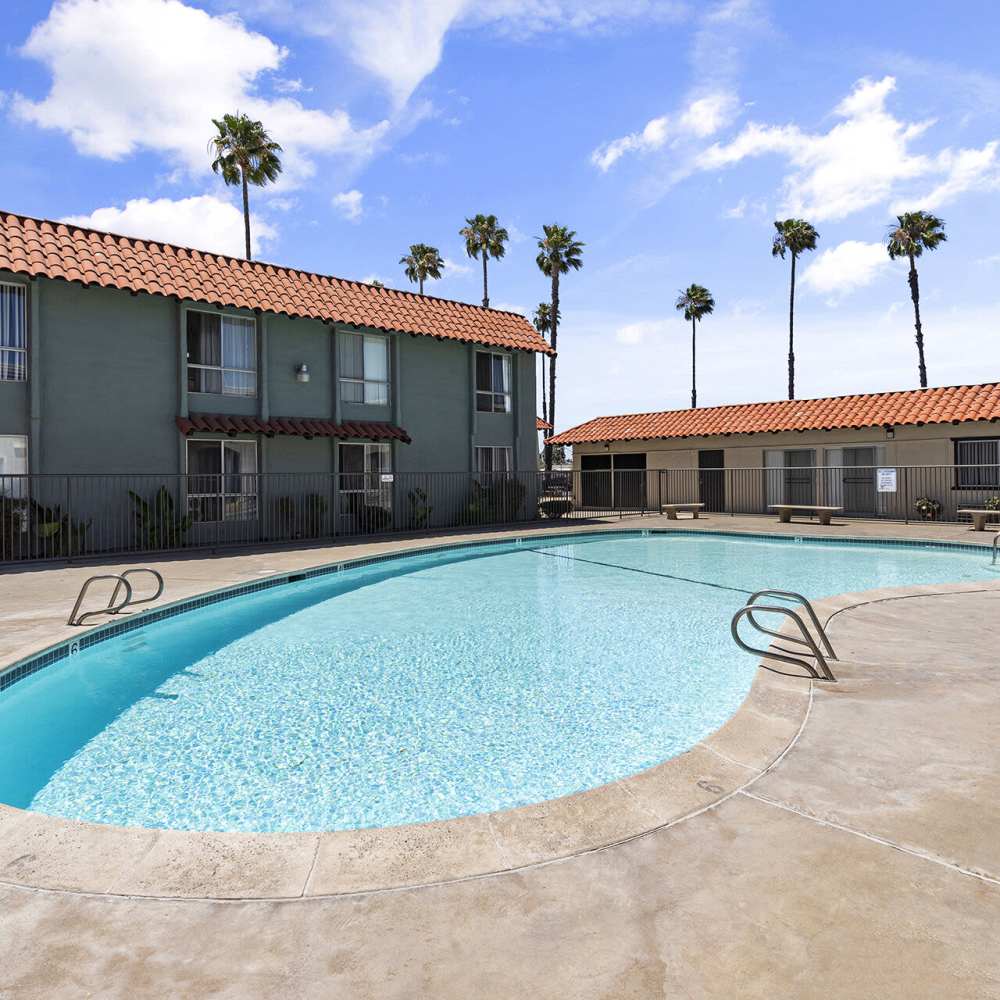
(246, 210)
(791, 334)
(915, 295)
(545, 397)
(552, 364)
(420, 279)
(694, 390)
(486, 291)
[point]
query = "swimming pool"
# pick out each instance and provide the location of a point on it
(422, 688)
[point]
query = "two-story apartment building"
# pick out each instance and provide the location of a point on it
(129, 356)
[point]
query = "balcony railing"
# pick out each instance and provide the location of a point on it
(58, 517)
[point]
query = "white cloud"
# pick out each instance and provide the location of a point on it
(965, 170)
(510, 307)
(203, 222)
(865, 159)
(349, 204)
(848, 266)
(635, 333)
(698, 119)
(737, 211)
(454, 267)
(401, 42)
(134, 75)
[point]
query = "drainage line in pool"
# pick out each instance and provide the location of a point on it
(646, 572)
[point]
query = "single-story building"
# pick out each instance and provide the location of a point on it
(873, 453)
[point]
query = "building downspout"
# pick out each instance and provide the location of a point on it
(34, 378)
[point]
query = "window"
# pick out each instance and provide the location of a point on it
(13, 333)
(222, 480)
(363, 363)
(361, 469)
(492, 382)
(494, 460)
(13, 462)
(221, 354)
(979, 462)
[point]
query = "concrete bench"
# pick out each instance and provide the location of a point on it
(980, 517)
(670, 509)
(785, 511)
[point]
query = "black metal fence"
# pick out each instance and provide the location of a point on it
(54, 517)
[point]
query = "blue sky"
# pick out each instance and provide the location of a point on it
(669, 135)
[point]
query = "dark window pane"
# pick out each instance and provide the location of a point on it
(484, 380)
(351, 355)
(352, 392)
(204, 339)
(484, 402)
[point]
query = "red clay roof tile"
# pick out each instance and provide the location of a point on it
(57, 250)
(221, 423)
(948, 404)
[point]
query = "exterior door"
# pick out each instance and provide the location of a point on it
(712, 479)
(800, 487)
(595, 481)
(629, 481)
(859, 483)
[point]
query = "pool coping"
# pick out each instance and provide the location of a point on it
(55, 854)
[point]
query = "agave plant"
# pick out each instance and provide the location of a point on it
(157, 521)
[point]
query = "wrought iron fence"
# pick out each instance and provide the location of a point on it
(54, 517)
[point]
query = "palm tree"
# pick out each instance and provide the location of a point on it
(914, 233)
(244, 154)
(484, 237)
(422, 262)
(558, 251)
(793, 236)
(696, 301)
(543, 324)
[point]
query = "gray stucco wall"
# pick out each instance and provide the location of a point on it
(108, 380)
(110, 388)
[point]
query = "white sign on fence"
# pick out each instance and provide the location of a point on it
(886, 480)
(386, 477)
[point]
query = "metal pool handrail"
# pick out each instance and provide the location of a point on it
(109, 608)
(996, 542)
(142, 600)
(825, 673)
(114, 606)
(790, 595)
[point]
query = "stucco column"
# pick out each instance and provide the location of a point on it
(34, 377)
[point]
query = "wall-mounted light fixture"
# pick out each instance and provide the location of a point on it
(302, 373)
(890, 433)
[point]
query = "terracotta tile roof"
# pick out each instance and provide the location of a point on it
(59, 250)
(951, 404)
(223, 423)
(542, 425)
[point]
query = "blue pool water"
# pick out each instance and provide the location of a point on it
(418, 689)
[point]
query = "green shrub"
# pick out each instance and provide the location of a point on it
(555, 507)
(497, 500)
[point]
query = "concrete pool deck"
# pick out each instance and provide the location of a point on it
(831, 840)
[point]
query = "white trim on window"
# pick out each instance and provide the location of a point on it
(493, 379)
(363, 368)
(229, 494)
(13, 332)
(236, 350)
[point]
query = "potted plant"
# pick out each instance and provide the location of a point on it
(992, 503)
(927, 508)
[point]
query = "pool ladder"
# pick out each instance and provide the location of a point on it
(805, 637)
(996, 542)
(114, 606)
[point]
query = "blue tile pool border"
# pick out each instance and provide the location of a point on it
(69, 647)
